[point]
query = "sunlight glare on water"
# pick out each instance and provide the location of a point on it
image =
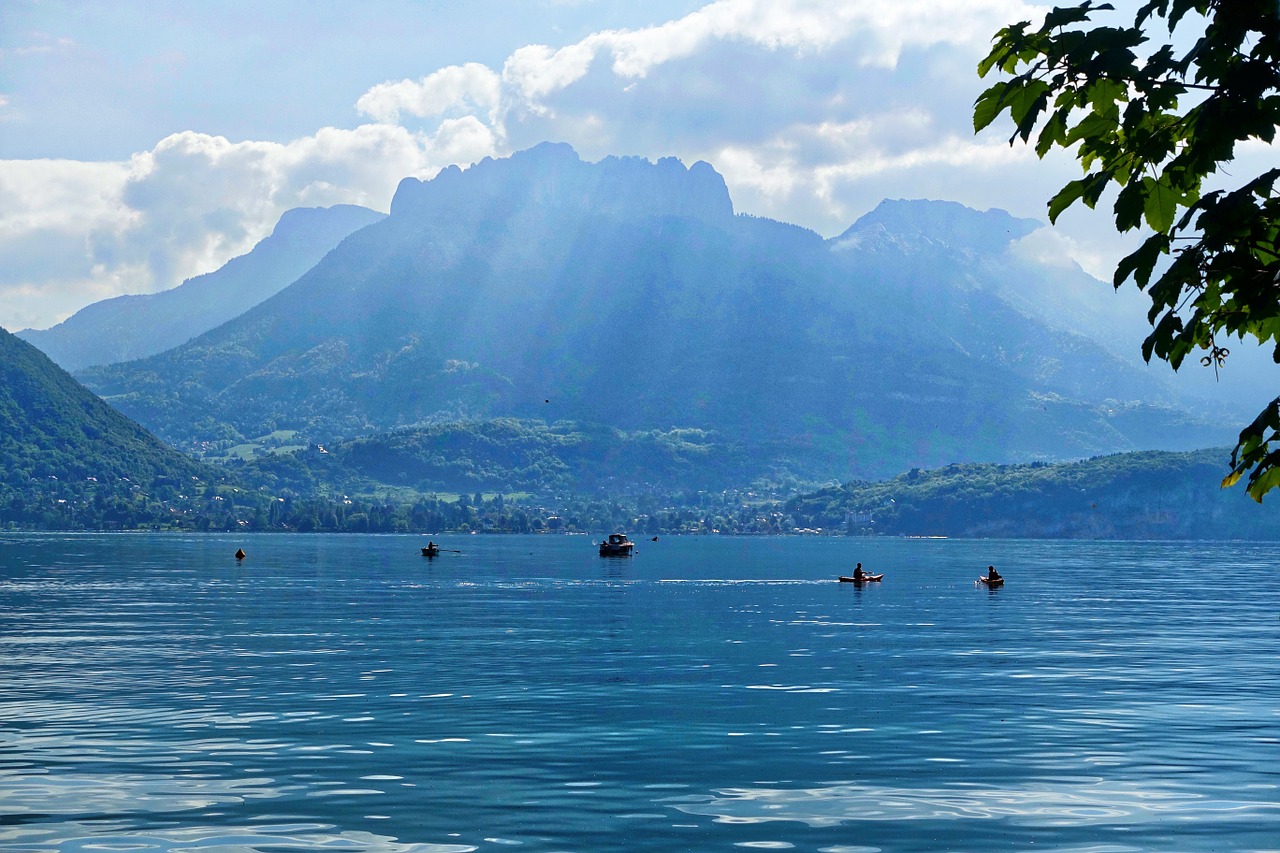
(344, 693)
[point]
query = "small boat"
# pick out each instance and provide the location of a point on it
(863, 579)
(617, 545)
(431, 551)
(991, 582)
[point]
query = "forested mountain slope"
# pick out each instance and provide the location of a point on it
(68, 459)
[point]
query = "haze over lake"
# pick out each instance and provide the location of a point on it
(344, 693)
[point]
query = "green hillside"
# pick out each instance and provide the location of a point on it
(508, 455)
(1150, 495)
(62, 449)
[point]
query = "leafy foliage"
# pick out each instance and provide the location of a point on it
(1158, 124)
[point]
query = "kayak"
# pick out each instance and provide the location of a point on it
(863, 579)
(996, 582)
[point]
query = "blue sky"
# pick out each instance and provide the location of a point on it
(143, 143)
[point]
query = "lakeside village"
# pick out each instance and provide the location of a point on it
(168, 505)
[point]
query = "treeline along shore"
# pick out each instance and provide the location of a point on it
(1149, 495)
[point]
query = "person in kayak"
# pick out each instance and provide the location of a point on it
(993, 575)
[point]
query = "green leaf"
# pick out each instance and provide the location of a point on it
(988, 106)
(1061, 17)
(1161, 204)
(1095, 127)
(1053, 133)
(1066, 197)
(1141, 262)
(1128, 207)
(1006, 48)
(1027, 99)
(1263, 483)
(1104, 92)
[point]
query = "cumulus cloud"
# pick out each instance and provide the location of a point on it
(881, 31)
(72, 233)
(51, 214)
(816, 173)
(807, 108)
(470, 87)
(801, 104)
(798, 25)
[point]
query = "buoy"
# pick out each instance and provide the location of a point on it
(240, 555)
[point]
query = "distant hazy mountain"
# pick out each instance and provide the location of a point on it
(627, 293)
(53, 428)
(129, 327)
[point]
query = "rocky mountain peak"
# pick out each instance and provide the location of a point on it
(946, 222)
(551, 175)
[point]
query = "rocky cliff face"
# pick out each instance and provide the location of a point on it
(551, 178)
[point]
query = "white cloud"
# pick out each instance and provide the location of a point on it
(461, 141)
(800, 25)
(797, 102)
(536, 70)
(458, 87)
(821, 167)
(533, 72)
(45, 46)
(72, 233)
(59, 196)
(202, 199)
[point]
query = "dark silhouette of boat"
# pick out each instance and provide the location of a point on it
(617, 545)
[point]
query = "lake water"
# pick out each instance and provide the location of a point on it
(337, 693)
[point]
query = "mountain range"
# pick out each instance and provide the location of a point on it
(129, 327)
(628, 294)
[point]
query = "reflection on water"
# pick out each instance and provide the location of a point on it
(1070, 803)
(223, 838)
(342, 693)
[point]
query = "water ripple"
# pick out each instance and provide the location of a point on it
(1100, 803)
(229, 839)
(338, 694)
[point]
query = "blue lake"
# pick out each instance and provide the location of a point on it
(344, 693)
